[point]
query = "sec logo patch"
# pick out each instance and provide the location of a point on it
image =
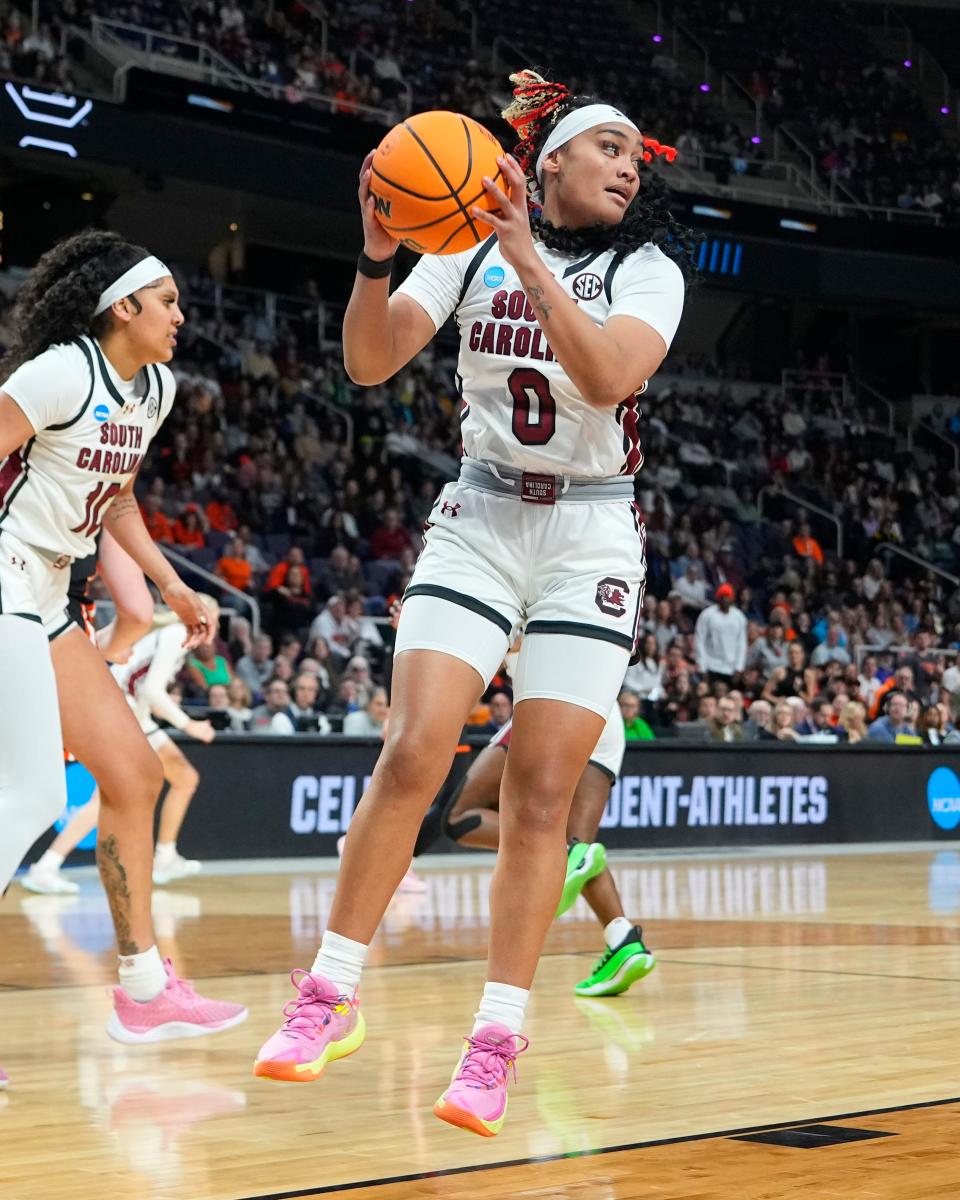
(587, 286)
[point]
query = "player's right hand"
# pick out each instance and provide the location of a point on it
(203, 731)
(377, 243)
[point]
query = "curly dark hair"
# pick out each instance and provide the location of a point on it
(57, 300)
(537, 106)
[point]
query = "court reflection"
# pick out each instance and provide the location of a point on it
(459, 897)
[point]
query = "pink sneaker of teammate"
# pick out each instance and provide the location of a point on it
(477, 1096)
(4, 1078)
(321, 1026)
(178, 1012)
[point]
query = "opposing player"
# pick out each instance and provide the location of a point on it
(84, 391)
(564, 315)
(470, 816)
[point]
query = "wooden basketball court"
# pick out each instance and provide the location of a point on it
(797, 1039)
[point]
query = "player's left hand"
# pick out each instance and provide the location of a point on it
(510, 218)
(192, 612)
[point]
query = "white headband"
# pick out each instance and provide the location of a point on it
(578, 121)
(147, 270)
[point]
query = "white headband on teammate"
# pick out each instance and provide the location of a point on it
(147, 270)
(579, 121)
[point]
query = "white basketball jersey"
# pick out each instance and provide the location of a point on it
(159, 654)
(93, 430)
(519, 406)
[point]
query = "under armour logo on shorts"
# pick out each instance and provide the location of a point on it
(451, 509)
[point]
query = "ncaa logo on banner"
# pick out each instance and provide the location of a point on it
(943, 798)
(587, 286)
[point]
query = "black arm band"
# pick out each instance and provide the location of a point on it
(373, 269)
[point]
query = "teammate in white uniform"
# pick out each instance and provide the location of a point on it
(151, 666)
(133, 614)
(564, 314)
(83, 389)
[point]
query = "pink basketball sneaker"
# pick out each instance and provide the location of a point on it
(477, 1096)
(178, 1012)
(4, 1078)
(321, 1026)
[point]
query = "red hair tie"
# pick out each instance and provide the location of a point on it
(668, 152)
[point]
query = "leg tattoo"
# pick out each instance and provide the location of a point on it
(114, 877)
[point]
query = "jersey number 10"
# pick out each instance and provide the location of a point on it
(97, 501)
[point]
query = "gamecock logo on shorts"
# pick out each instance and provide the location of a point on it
(612, 595)
(587, 286)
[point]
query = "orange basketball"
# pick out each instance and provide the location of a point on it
(427, 177)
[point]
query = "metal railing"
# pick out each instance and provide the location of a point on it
(891, 548)
(921, 57)
(169, 54)
(801, 501)
(861, 385)
(405, 89)
(215, 581)
(949, 442)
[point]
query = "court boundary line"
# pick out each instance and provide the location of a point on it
(387, 1181)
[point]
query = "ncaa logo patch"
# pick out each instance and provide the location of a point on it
(611, 597)
(100, 413)
(587, 286)
(494, 276)
(943, 798)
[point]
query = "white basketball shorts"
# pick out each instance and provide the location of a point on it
(569, 574)
(32, 587)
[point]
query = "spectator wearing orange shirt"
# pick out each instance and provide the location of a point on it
(233, 567)
(188, 529)
(807, 546)
(278, 574)
(156, 521)
(221, 516)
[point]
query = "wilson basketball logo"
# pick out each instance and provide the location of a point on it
(587, 286)
(612, 595)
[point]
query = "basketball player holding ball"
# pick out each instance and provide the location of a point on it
(83, 390)
(565, 312)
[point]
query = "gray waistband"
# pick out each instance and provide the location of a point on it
(508, 481)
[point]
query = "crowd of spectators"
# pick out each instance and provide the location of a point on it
(860, 113)
(33, 56)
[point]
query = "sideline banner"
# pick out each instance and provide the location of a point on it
(282, 797)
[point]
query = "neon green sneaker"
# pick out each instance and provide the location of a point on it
(618, 968)
(585, 860)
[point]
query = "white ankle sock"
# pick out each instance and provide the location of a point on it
(49, 861)
(340, 960)
(501, 1004)
(142, 976)
(166, 850)
(616, 931)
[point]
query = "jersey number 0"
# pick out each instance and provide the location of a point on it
(526, 385)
